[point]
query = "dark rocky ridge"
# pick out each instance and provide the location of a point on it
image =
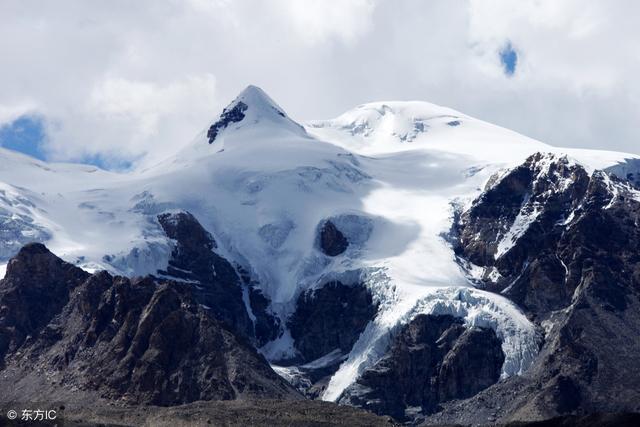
(577, 273)
(139, 341)
(546, 183)
(432, 360)
(544, 267)
(215, 282)
(266, 326)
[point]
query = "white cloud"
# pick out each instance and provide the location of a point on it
(124, 118)
(143, 78)
(316, 21)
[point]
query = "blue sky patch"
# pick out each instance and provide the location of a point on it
(509, 59)
(113, 164)
(26, 135)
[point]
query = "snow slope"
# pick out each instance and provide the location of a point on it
(389, 174)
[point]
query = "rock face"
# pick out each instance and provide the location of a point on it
(65, 333)
(329, 318)
(332, 241)
(574, 268)
(536, 225)
(215, 282)
(37, 287)
(432, 360)
(542, 191)
(231, 114)
(266, 324)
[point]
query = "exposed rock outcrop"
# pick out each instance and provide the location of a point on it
(540, 222)
(215, 282)
(432, 360)
(138, 341)
(266, 325)
(575, 269)
(36, 288)
(232, 114)
(332, 241)
(329, 318)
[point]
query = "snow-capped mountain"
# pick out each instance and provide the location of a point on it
(370, 200)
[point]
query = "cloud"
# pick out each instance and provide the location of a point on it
(316, 21)
(125, 119)
(138, 80)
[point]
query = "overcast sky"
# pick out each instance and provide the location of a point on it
(134, 81)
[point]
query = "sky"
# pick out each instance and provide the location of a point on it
(124, 83)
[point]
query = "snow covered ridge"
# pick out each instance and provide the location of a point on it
(388, 175)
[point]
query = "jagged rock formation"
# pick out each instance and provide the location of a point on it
(432, 360)
(574, 267)
(215, 282)
(325, 325)
(541, 222)
(543, 190)
(139, 341)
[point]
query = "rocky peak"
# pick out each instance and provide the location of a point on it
(187, 231)
(36, 286)
(35, 264)
(253, 106)
(231, 114)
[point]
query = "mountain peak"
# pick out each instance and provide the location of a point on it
(252, 105)
(257, 98)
